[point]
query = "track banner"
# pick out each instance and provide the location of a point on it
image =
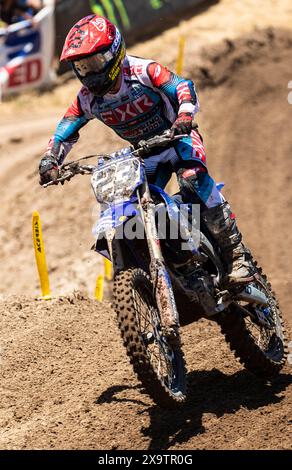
(26, 53)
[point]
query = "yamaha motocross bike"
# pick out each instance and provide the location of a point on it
(162, 282)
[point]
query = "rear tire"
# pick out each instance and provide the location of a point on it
(263, 351)
(159, 366)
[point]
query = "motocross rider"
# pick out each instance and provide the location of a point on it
(139, 99)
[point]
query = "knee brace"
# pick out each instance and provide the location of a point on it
(197, 187)
(188, 180)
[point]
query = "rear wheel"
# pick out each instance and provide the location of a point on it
(158, 364)
(256, 334)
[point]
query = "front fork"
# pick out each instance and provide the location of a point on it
(160, 277)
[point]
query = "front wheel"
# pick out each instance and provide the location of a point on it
(256, 333)
(158, 364)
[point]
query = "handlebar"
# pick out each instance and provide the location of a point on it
(68, 170)
(163, 140)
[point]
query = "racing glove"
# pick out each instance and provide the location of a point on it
(48, 169)
(183, 124)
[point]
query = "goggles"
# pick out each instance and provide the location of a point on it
(96, 63)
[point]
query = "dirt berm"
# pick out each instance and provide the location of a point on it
(65, 381)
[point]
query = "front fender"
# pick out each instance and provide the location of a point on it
(110, 219)
(114, 216)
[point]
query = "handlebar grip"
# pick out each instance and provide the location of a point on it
(49, 184)
(57, 181)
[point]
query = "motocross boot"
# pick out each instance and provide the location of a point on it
(239, 265)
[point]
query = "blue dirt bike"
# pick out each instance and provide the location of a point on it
(168, 273)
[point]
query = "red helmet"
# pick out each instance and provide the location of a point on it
(96, 49)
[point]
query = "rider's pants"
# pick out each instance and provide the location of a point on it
(188, 160)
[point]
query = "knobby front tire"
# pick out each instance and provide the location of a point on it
(159, 365)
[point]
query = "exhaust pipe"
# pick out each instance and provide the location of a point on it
(251, 294)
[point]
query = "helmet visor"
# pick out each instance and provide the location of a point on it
(96, 63)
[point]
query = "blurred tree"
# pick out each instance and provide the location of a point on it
(107, 8)
(156, 4)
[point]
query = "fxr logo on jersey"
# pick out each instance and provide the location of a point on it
(128, 111)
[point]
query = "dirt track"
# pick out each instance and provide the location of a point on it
(65, 380)
(65, 386)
